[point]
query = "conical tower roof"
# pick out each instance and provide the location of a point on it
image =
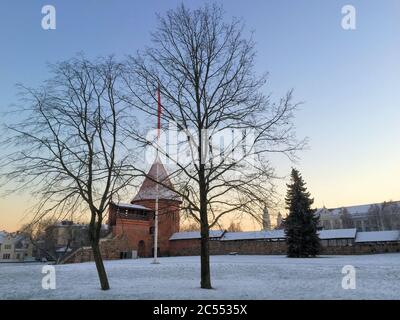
(148, 189)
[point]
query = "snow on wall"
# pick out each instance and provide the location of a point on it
(337, 234)
(378, 236)
(371, 236)
(253, 235)
(195, 235)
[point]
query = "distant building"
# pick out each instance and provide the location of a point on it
(63, 238)
(266, 220)
(15, 247)
(279, 221)
(369, 217)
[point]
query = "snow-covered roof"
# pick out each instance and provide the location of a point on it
(353, 210)
(337, 234)
(372, 236)
(195, 235)
(15, 237)
(378, 236)
(253, 235)
(149, 189)
(132, 206)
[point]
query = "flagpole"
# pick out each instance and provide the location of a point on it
(155, 261)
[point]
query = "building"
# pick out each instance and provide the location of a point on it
(266, 219)
(62, 238)
(135, 220)
(15, 247)
(279, 222)
(369, 217)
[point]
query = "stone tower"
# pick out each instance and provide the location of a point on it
(168, 204)
(266, 219)
(279, 220)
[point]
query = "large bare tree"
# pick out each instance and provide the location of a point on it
(214, 102)
(69, 146)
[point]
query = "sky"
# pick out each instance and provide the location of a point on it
(349, 80)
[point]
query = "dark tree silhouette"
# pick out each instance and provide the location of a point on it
(301, 225)
(70, 147)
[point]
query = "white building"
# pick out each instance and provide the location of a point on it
(369, 217)
(15, 247)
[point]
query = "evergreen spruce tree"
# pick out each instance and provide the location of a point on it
(301, 225)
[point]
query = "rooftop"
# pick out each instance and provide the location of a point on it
(378, 236)
(195, 235)
(370, 236)
(356, 209)
(150, 189)
(132, 206)
(253, 235)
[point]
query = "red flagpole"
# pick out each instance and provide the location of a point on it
(157, 165)
(159, 113)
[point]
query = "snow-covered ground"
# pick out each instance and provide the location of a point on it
(233, 277)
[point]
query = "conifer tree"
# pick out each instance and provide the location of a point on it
(301, 225)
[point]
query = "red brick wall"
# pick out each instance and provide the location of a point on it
(168, 221)
(135, 231)
(189, 247)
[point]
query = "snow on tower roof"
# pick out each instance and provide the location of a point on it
(132, 206)
(148, 189)
(378, 236)
(195, 235)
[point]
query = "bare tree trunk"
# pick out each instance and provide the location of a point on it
(100, 266)
(205, 249)
(94, 231)
(205, 258)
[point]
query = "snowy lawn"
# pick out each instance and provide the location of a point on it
(233, 277)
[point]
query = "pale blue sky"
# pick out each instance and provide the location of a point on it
(349, 80)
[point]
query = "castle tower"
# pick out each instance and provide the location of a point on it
(168, 204)
(266, 219)
(279, 221)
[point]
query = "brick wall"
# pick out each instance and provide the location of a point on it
(168, 222)
(190, 247)
(137, 233)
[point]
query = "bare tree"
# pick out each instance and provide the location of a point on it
(70, 148)
(347, 221)
(204, 68)
(234, 227)
(193, 226)
(36, 232)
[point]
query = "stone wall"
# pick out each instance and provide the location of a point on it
(190, 247)
(110, 250)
